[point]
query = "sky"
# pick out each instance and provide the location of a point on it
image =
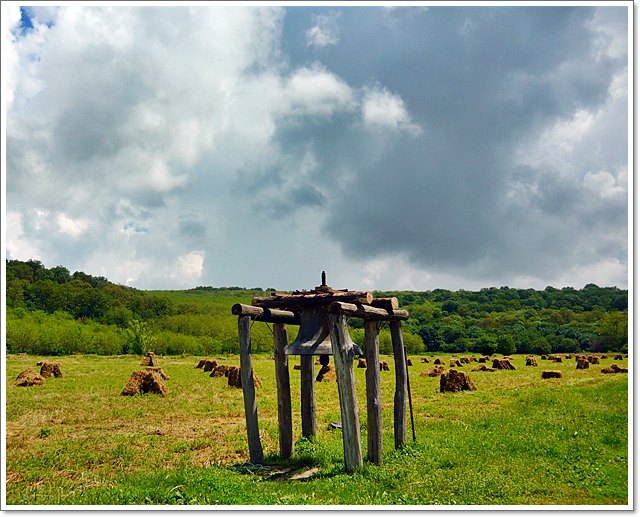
(395, 148)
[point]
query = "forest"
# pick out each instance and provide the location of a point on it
(51, 311)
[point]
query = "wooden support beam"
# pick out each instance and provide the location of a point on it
(390, 304)
(267, 315)
(374, 394)
(343, 359)
(248, 391)
(400, 399)
(283, 386)
(284, 300)
(307, 396)
(367, 311)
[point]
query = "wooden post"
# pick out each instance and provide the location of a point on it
(249, 390)
(399, 400)
(285, 427)
(343, 359)
(307, 396)
(374, 395)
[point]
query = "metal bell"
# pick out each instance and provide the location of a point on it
(313, 336)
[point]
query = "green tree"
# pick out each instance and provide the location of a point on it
(506, 344)
(139, 339)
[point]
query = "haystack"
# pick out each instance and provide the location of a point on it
(593, 359)
(159, 371)
(209, 365)
(454, 380)
(483, 368)
(617, 357)
(149, 359)
(145, 381)
(454, 362)
(531, 361)
(219, 370)
(384, 366)
(614, 368)
(503, 364)
(234, 378)
(556, 358)
(438, 361)
(464, 360)
(49, 369)
(326, 374)
(362, 363)
(425, 360)
(543, 357)
(582, 364)
(434, 371)
(551, 374)
(201, 363)
(296, 366)
(482, 360)
(29, 377)
(409, 362)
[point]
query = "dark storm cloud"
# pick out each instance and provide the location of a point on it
(481, 82)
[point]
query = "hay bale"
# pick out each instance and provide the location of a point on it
(454, 380)
(464, 360)
(543, 357)
(384, 366)
(234, 378)
(503, 364)
(483, 368)
(409, 362)
(425, 360)
(438, 361)
(551, 374)
(593, 359)
(603, 356)
(296, 366)
(145, 381)
(29, 377)
(362, 363)
(219, 370)
(48, 369)
(149, 359)
(454, 362)
(160, 372)
(474, 359)
(567, 356)
(326, 374)
(531, 361)
(482, 360)
(617, 357)
(614, 368)
(201, 363)
(209, 365)
(434, 371)
(556, 359)
(582, 364)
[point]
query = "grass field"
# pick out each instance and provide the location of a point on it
(517, 440)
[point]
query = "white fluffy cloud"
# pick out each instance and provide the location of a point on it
(325, 32)
(383, 109)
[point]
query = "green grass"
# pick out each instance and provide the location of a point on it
(517, 440)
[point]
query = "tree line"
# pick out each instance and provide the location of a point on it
(51, 311)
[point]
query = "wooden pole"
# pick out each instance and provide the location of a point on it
(343, 359)
(307, 396)
(413, 425)
(283, 386)
(249, 391)
(374, 395)
(399, 400)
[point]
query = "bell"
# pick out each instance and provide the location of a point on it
(313, 336)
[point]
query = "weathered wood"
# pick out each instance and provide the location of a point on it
(285, 300)
(400, 314)
(266, 315)
(389, 304)
(365, 311)
(283, 387)
(374, 394)
(249, 391)
(343, 359)
(307, 396)
(400, 399)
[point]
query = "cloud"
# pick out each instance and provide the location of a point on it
(166, 146)
(382, 109)
(325, 32)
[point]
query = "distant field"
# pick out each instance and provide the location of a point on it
(517, 440)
